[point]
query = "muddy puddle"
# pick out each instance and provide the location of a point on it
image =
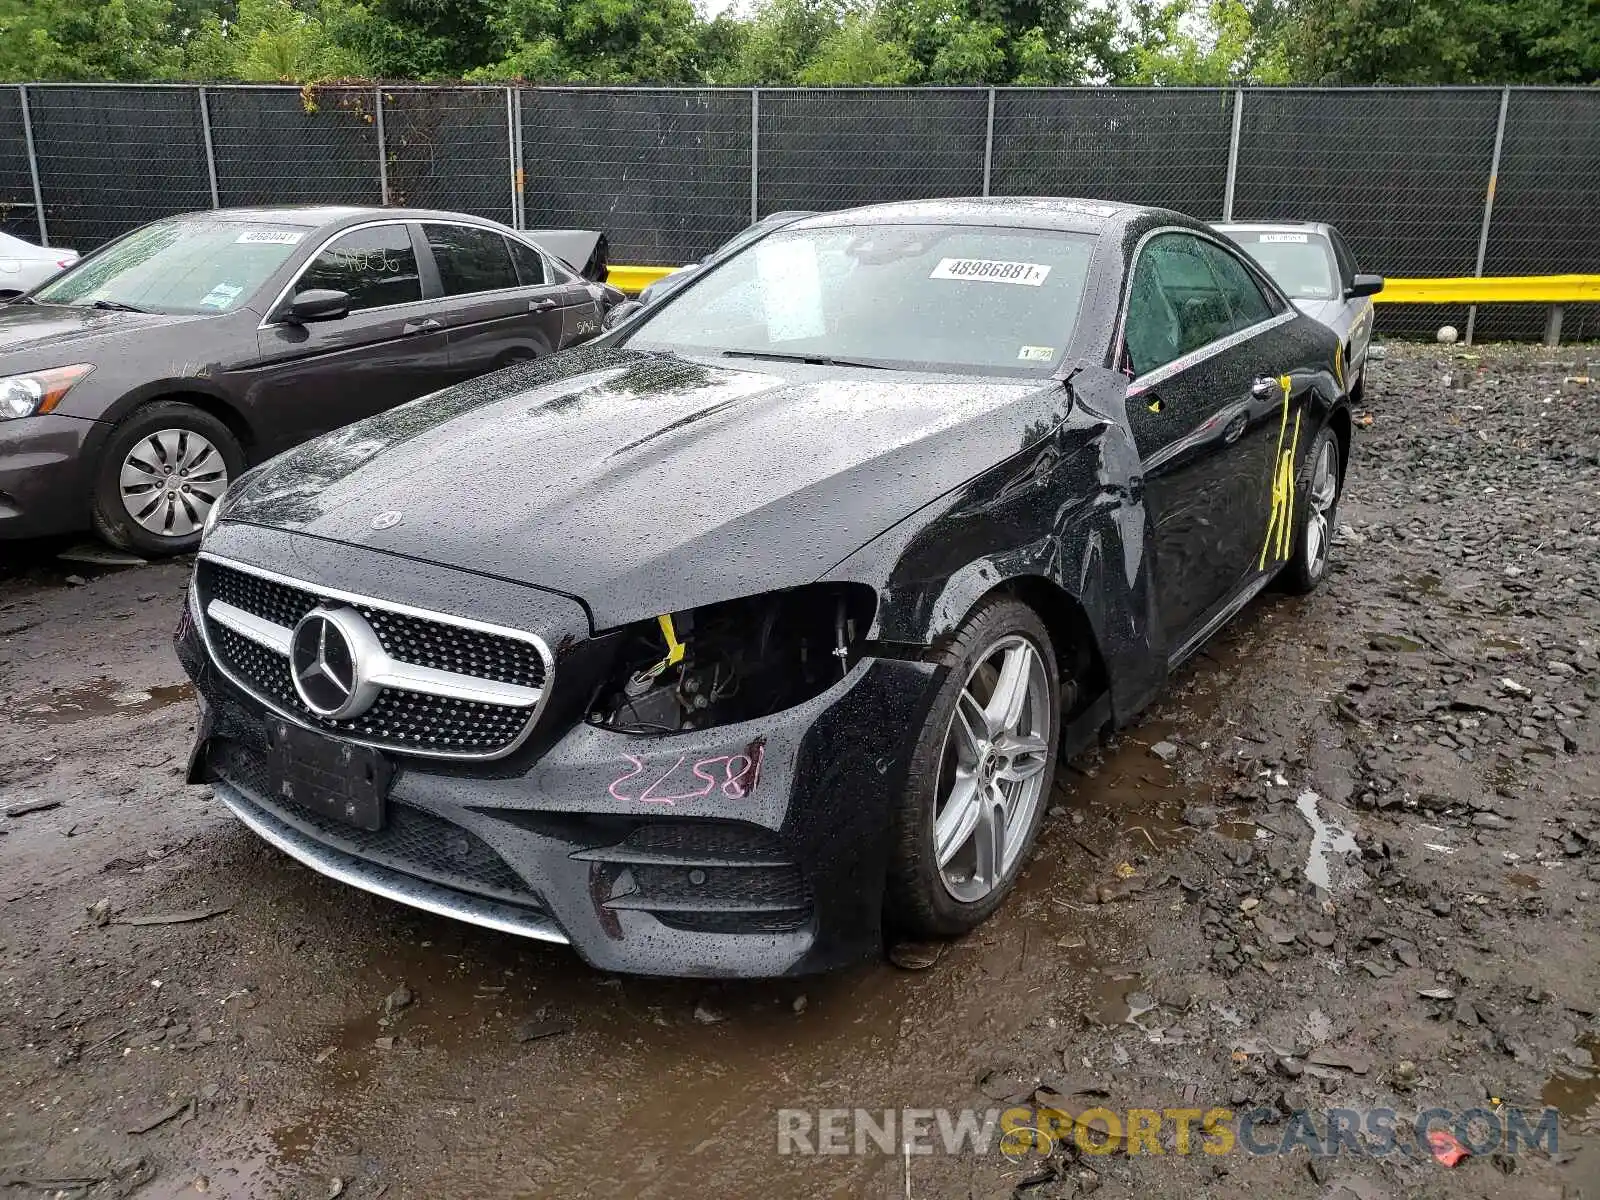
(533, 1075)
(1327, 839)
(1575, 1090)
(99, 698)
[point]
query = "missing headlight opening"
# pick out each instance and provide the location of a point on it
(734, 661)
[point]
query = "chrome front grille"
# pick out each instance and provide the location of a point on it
(450, 687)
(426, 642)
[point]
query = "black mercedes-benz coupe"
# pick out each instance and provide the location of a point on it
(754, 629)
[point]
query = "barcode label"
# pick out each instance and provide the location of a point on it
(990, 270)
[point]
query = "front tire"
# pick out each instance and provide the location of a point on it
(980, 775)
(1313, 543)
(160, 473)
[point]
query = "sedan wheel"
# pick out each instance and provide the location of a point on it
(160, 473)
(992, 774)
(1324, 492)
(1314, 539)
(170, 480)
(978, 773)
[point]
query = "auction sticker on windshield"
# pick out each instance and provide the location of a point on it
(268, 237)
(990, 270)
(1297, 239)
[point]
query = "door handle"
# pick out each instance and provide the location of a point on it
(427, 325)
(1263, 387)
(544, 305)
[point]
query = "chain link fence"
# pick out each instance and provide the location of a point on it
(1545, 203)
(669, 173)
(840, 147)
(1403, 174)
(18, 215)
(449, 148)
(665, 172)
(1164, 146)
(285, 146)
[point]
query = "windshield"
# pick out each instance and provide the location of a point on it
(1301, 263)
(188, 265)
(931, 297)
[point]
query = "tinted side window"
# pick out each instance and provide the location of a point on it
(1190, 288)
(1247, 301)
(470, 259)
(530, 265)
(375, 266)
(1151, 333)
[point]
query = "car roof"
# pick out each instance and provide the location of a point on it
(315, 216)
(1321, 227)
(1061, 213)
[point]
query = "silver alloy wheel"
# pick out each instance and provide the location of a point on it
(170, 480)
(1320, 501)
(991, 773)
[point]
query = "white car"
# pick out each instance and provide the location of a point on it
(24, 266)
(1312, 264)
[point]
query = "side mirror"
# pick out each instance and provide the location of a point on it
(319, 304)
(1364, 285)
(621, 313)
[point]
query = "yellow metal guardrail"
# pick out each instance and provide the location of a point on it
(634, 280)
(1524, 289)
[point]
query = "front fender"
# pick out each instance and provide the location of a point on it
(1069, 511)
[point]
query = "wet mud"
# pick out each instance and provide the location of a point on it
(1340, 842)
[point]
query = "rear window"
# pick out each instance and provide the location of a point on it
(936, 297)
(1301, 263)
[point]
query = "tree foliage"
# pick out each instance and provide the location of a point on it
(808, 42)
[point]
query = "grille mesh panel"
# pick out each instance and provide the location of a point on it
(403, 720)
(400, 720)
(410, 639)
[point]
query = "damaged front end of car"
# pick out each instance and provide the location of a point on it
(703, 793)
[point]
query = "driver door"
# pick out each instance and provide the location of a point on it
(1191, 405)
(393, 346)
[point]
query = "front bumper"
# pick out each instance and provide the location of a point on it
(615, 843)
(45, 474)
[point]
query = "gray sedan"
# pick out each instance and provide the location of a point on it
(1311, 262)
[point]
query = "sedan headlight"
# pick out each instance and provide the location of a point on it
(37, 392)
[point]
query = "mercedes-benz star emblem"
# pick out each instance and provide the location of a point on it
(330, 657)
(388, 518)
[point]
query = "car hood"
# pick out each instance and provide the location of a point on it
(66, 333)
(647, 483)
(1326, 311)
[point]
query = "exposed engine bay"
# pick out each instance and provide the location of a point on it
(734, 661)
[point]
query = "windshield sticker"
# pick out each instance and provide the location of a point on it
(1036, 353)
(221, 296)
(989, 270)
(1297, 239)
(268, 237)
(791, 290)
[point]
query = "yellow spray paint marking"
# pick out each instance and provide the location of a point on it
(675, 648)
(1338, 358)
(1276, 542)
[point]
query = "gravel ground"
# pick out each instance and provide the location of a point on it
(1349, 863)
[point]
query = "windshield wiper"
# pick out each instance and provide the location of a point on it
(821, 360)
(118, 306)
